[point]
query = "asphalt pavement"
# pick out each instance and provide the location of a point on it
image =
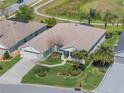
(13, 8)
(21, 88)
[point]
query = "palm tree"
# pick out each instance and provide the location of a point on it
(121, 20)
(114, 19)
(78, 66)
(82, 54)
(76, 54)
(104, 54)
(93, 15)
(107, 17)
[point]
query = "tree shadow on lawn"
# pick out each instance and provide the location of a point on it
(100, 66)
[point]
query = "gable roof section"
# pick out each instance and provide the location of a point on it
(70, 35)
(120, 46)
(12, 32)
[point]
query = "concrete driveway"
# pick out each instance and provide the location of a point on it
(16, 73)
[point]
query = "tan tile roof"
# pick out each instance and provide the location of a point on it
(13, 31)
(70, 34)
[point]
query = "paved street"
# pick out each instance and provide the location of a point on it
(113, 81)
(11, 9)
(16, 73)
(20, 88)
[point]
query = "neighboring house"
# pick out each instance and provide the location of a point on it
(113, 82)
(13, 34)
(119, 52)
(67, 36)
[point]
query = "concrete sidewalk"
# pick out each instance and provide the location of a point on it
(16, 73)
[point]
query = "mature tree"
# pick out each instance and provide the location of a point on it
(114, 19)
(93, 15)
(104, 54)
(80, 54)
(76, 54)
(51, 22)
(84, 54)
(78, 66)
(107, 17)
(25, 13)
(121, 21)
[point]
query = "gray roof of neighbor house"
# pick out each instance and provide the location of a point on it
(13, 31)
(120, 46)
(69, 34)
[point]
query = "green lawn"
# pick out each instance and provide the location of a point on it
(91, 77)
(115, 34)
(70, 8)
(9, 2)
(7, 65)
(52, 61)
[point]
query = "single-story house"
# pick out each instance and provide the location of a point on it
(68, 37)
(113, 82)
(13, 34)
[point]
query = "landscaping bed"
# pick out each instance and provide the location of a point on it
(52, 60)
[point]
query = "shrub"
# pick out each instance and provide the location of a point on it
(6, 55)
(108, 35)
(42, 74)
(51, 22)
(41, 71)
(1, 67)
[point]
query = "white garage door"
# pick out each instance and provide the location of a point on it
(29, 52)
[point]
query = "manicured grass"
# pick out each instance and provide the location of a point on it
(115, 34)
(70, 8)
(7, 65)
(10, 2)
(52, 61)
(51, 78)
(91, 77)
